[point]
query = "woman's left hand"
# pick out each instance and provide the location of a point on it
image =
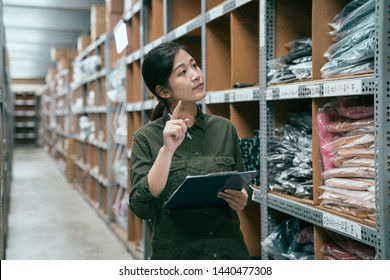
(237, 200)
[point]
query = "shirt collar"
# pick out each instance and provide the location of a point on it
(199, 121)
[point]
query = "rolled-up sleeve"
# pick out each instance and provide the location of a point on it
(142, 202)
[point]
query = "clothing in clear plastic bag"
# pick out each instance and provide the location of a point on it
(286, 242)
(337, 49)
(349, 172)
(362, 52)
(347, 70)
(362, 250)
(296, 65)
(350, 184)
(290, 157)
(354, 17)
(348, 8)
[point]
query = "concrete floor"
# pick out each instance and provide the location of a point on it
(49, 219)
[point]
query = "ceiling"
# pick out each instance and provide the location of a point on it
(32, 27)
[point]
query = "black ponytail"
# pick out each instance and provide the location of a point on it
(158, 110)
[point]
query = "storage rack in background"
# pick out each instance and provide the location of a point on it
(6, 136)
(231, 40)
(26, 118)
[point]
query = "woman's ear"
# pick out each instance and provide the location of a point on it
(162, 92)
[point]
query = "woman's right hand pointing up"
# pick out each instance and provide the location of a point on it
(175, 130)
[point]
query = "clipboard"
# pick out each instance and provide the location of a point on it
(201, 190)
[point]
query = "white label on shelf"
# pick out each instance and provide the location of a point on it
(269, 94)
(244, 95)
(217, 97)
(230, 96)
(342, 225)
(216, 12)
(314, 90)
(288, 91)
(180, 31)
(256, 196)
(345, 87)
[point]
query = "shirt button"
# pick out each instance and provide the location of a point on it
(211, 233)
(196, 154)
(215, 255)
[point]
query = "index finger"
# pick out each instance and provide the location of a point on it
(175, 112)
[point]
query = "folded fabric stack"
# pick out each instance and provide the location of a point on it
(346, 137)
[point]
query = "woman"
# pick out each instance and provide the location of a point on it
(179, 141)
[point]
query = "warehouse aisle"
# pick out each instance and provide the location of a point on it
(49, 219)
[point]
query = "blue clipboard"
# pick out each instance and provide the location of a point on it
(201, 190)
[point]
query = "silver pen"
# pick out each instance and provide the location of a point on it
(188, 135)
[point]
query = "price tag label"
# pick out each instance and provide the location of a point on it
(342, 225)
(346, 87)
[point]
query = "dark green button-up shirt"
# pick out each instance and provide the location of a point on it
(195, 233)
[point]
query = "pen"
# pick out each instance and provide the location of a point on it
(188, 135)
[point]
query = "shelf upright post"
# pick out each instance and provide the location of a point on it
(146, 230)
(144, 15)
(204, 56)
(382, 129)
(266, 33)
(167, 5)
(108, 127)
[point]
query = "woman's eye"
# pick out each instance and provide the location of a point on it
(183, 72)
(195, 65)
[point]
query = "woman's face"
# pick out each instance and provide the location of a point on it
(186, 80)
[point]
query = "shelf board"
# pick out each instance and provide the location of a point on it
(312, 214)
(135, 8)
(233, 95)
(91, 48)
(323, 88)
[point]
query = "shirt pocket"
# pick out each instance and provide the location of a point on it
(224, 163)
(177, 174)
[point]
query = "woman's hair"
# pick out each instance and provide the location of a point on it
(156, 69)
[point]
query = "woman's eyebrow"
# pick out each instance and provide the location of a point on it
(183, 64)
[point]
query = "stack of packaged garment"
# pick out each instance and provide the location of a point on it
(289, 157)
(354, 34)
(346, 137)
(295, 66)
